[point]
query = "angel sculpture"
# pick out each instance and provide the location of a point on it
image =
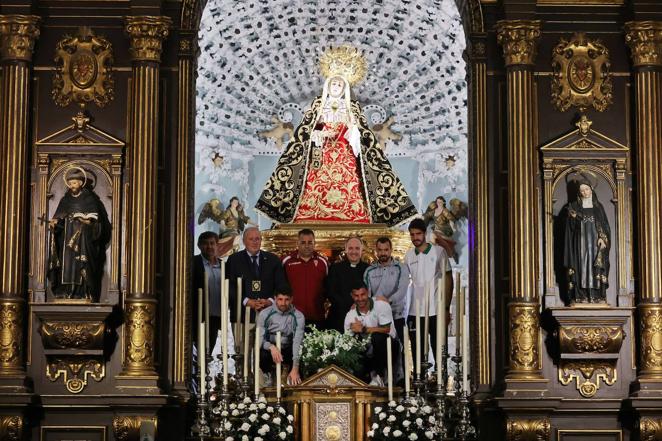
(232, 221)
(443, 222)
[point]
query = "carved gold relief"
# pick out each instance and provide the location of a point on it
(127, 428)
(79, 335)
(650, 429)
(588, 375)
(11, 428)
(140, 318)
(17, 36)
(581, 339)
(519, 39)
(524, 320)
(147, 34)
(581, 74)
(528, 429)
(11, 335)
(75, 371)
(333, 421)
(83, 70)
(651, 337)
(645, 41)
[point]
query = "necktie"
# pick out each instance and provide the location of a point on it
(255, 267)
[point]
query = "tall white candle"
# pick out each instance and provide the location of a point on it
(458, 314)
(441, 323)
(247, 322)
(418, 337)
(200, 300)
(238, 321)
(426, 326)
(256, 368)
(278, 367)
(201, 357)
(460, 317)
(407, 355)
(224, 329)
(206, 307)
(465, 356)
(389, 368)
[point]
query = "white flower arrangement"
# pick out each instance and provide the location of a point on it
(257, 421)
(323, 348)
(403, 421)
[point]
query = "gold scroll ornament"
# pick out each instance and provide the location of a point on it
(532, 429)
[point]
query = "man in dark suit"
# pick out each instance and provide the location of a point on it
(207, 263)
(261, 274)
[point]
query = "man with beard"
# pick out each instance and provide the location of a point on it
(343, 276)
(80, 232)
(387, 280)
(427, 263)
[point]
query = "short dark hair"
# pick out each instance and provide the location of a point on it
(306, 232)
(417, 224)
(284, 290)
(385, 239)
(359, 285)
(207, 235)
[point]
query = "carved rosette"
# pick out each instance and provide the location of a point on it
(11, 428)
(651, 338)
(11, 335)
(83, 70)
(147, 34)
(581, 74)
(528, 429)
(140, 318)
(81, 335)
(650, 429)
(519, 39)
(645, 41)
(17, 36)
(524, 335)
(582, 339)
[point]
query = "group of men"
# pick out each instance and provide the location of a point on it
(371, 301)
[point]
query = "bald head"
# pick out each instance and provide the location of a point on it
(353, 249)
(252, 239)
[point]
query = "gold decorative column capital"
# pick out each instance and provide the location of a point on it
(519, 39)
(529, 429)
(17, 36)
(147, 34)
(645, 41)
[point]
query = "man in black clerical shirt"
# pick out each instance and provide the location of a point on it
(343, 276)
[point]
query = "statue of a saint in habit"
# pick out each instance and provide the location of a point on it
(587, 243)
(80, 232)
(334, 170)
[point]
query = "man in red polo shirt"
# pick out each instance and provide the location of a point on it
(306, 270)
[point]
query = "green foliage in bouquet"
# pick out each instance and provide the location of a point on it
(406, 422)
(257, 421)
(323, 348)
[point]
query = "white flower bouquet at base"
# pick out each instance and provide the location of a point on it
(320, 349)
(406, 422)
(251, 421)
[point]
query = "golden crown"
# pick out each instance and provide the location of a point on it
(344, 61)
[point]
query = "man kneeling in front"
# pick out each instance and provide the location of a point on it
(372, 319)
(281, 316)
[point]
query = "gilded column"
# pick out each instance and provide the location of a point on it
(519, 40)
(146, 35)
(17, 37)
(645, 41)
(480, 269)
(183, 205)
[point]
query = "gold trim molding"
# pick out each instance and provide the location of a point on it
(83, 70)
(581, 74)
(524, 335)
(651, 338)
(528, 429)
(11, 428)
(18, 34)
(147, 34)
(650, 429)
(75, 371)
(519, 39)
(588, 375)
(645, 41)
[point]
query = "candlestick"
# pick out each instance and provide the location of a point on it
(407, 355)
(278, 367)
(207, 307)
(200, 300)
(256, 368)
(238, 321)
(426, 326)
(225, 328)
(465, 357)
(441, 324)
(247, 322)
(201, 358)
(418, 337)
(389, 375)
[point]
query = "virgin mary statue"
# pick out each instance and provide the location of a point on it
(333, 169)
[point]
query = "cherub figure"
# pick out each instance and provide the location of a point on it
(443, 222)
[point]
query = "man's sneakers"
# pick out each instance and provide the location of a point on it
(376, 380)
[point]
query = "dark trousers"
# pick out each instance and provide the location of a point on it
(214, 327)
(267, 362)
(411, 321)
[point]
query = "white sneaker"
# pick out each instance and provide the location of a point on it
(377, 381)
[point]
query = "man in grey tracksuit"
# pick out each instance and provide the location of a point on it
(387, 279)
(282, 316)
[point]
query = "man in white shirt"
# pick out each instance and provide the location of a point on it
(427, 263)
(372, 320)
